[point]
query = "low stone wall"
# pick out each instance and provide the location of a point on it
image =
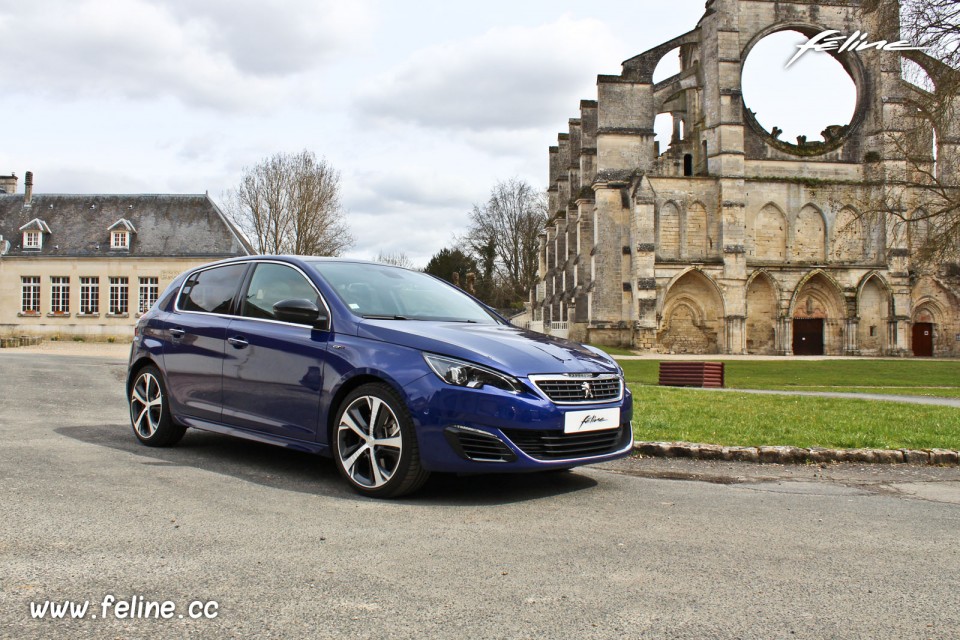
(797, 455)
(11, 342)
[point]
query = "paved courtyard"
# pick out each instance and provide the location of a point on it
(642, 548)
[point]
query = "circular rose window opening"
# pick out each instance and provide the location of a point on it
(806, 107)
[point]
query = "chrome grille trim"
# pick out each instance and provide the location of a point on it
(579, 388)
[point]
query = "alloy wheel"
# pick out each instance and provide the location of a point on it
(146, 404)
(369, 442)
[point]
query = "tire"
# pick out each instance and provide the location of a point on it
(150, 412)
(382, 460)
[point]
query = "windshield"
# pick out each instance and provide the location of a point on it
(384, 292)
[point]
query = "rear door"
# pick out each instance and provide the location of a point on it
(194, 335)
(273, 370)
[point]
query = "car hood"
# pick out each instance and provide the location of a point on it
(515, 351)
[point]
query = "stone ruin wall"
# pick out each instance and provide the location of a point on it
(719, 242)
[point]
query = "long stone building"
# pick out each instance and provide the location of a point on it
(74, 265)
(731, 240)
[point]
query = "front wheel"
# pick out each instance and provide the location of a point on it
(375, 445)
(150, 412)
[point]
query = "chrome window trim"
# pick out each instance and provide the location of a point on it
(176, 301)
(535, 378)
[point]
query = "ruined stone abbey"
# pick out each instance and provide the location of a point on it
(731, 240)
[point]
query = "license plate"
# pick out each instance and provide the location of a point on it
(596, 420)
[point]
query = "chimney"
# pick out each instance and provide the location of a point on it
(8, 184)
(27, 188)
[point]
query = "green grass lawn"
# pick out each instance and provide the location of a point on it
(614, 351)
(670, 414)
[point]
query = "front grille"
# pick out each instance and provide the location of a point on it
(474, 444)
(579, 389)
(556, 445)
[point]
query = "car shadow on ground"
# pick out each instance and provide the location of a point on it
(289, 470)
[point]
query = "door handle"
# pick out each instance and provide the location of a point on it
(238, 342)
(177, 333)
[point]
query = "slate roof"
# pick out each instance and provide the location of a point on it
(166, 225)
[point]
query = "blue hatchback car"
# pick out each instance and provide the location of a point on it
(391, 372)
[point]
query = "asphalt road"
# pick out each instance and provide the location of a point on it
(639, 549)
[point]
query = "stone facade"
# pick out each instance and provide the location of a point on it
(731, 240)
(91, 264)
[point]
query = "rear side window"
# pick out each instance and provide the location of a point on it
(272, 283)
(211, 291)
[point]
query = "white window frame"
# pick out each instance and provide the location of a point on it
(119, 239)
(89, 296)
(33, 239)
(30, 295)
(60, 295)
(149, 292)
(119, 296)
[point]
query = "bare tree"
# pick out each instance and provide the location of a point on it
(290, 203)
(503, 234)
(395, 258)
(918, 195)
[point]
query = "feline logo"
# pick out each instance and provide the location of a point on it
(587, 390)
(832, 39)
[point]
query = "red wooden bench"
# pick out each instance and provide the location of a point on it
(691, 374)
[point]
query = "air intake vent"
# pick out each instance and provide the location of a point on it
(474, 444)
(556, 445)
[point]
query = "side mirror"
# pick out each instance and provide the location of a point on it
(301, 311)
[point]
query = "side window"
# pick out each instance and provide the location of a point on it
(212, 290)
(272, 283)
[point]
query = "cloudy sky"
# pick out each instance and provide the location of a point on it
(422, 105)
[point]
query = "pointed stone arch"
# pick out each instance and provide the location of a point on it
(762, 313)
(692, 314)
(818, 301)
(928, 309)
(928, 330)
(809, 235)
(847, 244)
(768, 234)
(668, 231)
(832, 290)
(695, 231)
(918, 230)
(874, 311)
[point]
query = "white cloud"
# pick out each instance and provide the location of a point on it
(218, 54)
(507, 78)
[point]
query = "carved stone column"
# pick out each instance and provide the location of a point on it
(851, 337)
(784, 336)
(736, 335)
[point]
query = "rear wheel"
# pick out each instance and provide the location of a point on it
(150, 412)
(375, 445)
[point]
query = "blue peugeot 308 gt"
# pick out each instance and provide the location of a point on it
(392, 372)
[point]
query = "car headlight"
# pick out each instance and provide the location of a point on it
(466, 374)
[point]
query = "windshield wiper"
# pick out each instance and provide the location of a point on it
(374, 316)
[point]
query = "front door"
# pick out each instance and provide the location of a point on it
(808, 336)
(273, 370)
(923, 339)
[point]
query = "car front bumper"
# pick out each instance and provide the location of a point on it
(488, 430)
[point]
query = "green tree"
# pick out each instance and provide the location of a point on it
(446, 262)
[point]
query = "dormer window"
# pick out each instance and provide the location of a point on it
(33, 234)
(32, 240)
(120, 232)
(120, 240)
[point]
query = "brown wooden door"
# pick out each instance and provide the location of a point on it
(808, 336)
(923, 339)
